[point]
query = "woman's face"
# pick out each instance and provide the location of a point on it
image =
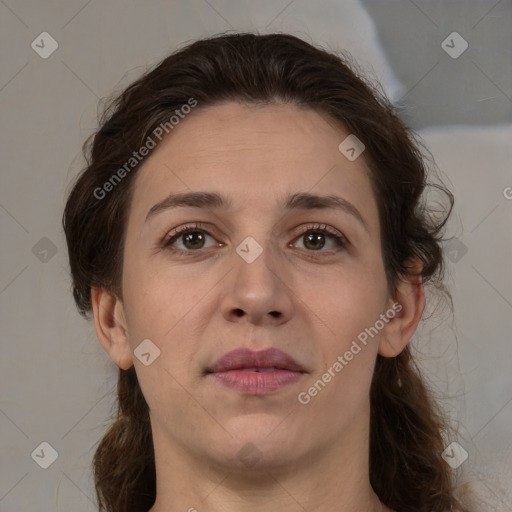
(256, 272)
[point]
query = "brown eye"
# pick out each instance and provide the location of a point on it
(188, 239)
(314, 241)
(316, 238)
(194, 238)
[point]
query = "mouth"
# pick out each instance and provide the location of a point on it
(256, 372)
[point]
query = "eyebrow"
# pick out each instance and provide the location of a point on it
(297, 201)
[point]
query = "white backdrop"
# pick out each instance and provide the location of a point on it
(56, 382)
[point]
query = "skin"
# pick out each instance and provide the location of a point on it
(309, 303)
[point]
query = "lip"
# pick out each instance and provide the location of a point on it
(256, 372)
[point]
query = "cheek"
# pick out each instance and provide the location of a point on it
(348, 300)
(150, 301)
(160, 301)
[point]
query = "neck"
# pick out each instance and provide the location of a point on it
(334, 478)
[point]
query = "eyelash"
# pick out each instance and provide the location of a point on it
(340, 240)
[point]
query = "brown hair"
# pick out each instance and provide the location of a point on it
(407, 471)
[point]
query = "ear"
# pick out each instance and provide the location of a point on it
(408, 304)
(110, 325)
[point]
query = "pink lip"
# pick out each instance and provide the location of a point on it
(256, 373)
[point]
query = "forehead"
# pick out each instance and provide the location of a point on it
(229, 130)
(257, 152)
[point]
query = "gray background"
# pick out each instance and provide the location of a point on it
(56, 382)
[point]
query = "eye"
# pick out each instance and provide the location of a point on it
(191, 236)
(314, 237)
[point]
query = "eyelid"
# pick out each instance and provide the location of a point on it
(183, 229)
(322, 227)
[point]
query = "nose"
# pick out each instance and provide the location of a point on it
(258, 291)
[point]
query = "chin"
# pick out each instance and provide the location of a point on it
(260, 442)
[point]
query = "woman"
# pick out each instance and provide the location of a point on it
(250, 237)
